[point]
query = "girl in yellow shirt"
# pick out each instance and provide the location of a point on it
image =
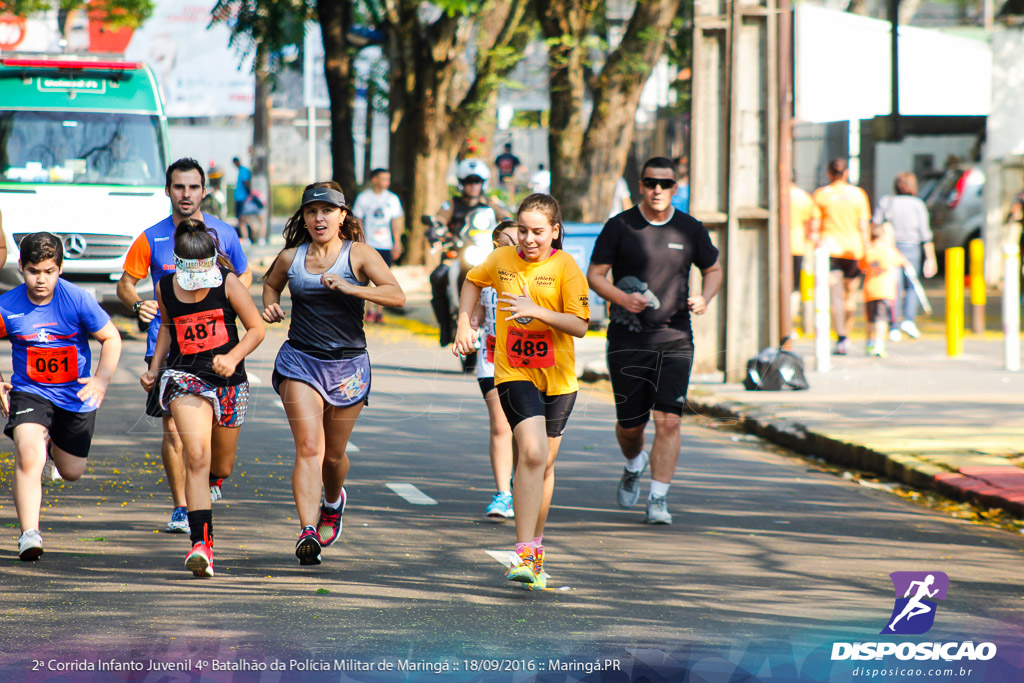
(545, 296)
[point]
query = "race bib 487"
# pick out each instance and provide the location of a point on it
(201, 331)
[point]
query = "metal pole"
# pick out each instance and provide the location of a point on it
(894, 19)
(1011, 306)
(822, 320)
(785, 72)
(311, 143)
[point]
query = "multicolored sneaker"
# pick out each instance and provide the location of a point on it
(542, 578)
(308, 547)
(179, 521)
(500, 508)
(522, 569)
(215, 492)
(328, 527)
(200, 559)
(30, 545)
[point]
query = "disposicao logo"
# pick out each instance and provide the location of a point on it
(914, 610)
(913, 613)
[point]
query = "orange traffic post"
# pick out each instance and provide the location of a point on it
(976, 256)
(955, 301)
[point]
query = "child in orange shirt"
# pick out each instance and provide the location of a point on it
(881, 263)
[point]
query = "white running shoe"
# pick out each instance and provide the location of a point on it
(50, 472)
(910, 328)
(30, 545)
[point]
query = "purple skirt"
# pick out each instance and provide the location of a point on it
(342, 383)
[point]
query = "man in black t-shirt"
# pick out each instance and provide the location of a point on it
(649, 250)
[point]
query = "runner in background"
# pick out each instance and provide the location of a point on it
(203, 383)
(153, 253)
(543, 303)
(52, 397)
(501, 446)
(322, 372)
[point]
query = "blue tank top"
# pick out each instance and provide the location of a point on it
(323, 318)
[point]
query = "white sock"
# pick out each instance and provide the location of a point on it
(658, 489)
(636, 464)
(335, 505)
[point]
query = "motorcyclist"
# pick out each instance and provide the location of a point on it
(472, 175)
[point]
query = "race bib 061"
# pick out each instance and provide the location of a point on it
(52, 365)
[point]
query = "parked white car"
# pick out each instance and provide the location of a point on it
(955, 206)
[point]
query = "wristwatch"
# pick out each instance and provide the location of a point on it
(136, 306)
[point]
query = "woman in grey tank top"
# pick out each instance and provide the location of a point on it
(322, 372)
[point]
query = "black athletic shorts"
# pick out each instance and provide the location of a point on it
(649, 378)
(153, 407)
(386, 255)
(486, 384)
(847, 266)
(70, 432)
(879, 310)
(521, 400)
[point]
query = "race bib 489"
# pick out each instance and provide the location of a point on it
(529, 349)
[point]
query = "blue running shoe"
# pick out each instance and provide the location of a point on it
(500, 508)
(179, 521)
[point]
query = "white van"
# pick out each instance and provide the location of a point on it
(83, 152)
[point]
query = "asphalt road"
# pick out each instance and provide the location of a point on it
(769, 561)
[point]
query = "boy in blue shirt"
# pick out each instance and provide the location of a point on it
(52, 397)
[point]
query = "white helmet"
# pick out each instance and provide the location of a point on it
(472, 167)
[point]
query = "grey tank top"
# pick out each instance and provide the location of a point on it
(322, 318)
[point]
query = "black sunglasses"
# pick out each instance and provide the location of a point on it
(663, 183)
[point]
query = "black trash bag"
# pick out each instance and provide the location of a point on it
(775, 370)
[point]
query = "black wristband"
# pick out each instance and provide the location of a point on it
(137, 306)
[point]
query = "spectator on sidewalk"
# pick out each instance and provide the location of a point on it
(881, 264)
(383, 222)
(843, 224)
(248, 206)
(507, 164)
(540, 182)
(681, 198)
(908, 216)
(621, 201)
(802, 213)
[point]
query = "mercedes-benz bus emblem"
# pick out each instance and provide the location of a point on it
(74, 246)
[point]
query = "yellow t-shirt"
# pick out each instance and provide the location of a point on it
(801, 210)
(532, 351)
(843, 207)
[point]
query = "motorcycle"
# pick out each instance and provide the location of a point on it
(460, 251)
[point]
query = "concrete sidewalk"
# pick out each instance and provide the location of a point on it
(954, 425)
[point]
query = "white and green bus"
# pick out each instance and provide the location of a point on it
(83, 151)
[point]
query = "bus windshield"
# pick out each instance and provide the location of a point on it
(81, 148)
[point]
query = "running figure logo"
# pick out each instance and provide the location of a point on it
(913, 612)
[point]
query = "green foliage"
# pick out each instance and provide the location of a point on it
(263, 26)
(129, 13)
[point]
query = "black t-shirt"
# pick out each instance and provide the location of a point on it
(654, 260)
(507, 164)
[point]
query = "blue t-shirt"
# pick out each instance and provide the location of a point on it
(160, 239)
(50, 343)
(244, 175)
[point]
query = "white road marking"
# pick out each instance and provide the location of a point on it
(503, 557)
(254, 379)
(412, 494)
(278, 403)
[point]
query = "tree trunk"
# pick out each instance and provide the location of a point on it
(565, 25)
(259, 164)
(433, 103)
(600, 156)
(338, 58)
